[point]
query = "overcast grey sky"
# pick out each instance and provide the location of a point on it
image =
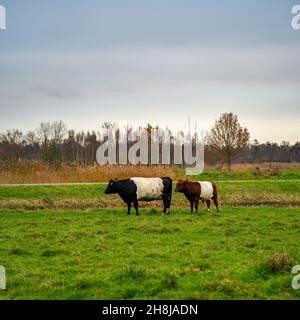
(86, 62)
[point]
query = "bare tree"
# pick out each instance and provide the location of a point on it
(106, 126)
(59, 131)
(51, 136)
(44, 135)
(13, 140)
(228, 138)
(31, 138)
(51, 143)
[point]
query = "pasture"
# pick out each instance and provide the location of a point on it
(233, 193)
(104, 254)
(73, 242)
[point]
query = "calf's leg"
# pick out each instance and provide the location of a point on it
(216, 202)
(128, 207)
(215, 198)
(192, 206)
(208, 205)
(197, 204)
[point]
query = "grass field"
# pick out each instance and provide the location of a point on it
(252, 173)
(74, 242)
(246, 193)
(104, 254)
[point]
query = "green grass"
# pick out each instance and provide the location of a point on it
(260, 192)
(104, 254)
(52, 192)
(97, 191)
(246, 174)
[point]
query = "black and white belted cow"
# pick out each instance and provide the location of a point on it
(134, 190)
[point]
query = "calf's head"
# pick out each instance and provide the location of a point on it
(111, 187)
(180, 186)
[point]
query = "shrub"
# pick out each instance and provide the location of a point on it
(279, 262)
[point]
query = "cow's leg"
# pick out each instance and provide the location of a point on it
(167, 203)
(197, 204)
(192, 205)
(136, 207)
(208, 205)
(128, 207)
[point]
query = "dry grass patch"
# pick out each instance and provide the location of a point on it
(39, 172)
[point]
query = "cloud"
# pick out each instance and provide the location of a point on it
(123, 69)
(161, 84)
(130, 69)
(55, 92)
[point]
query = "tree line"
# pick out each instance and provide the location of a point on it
(227, 142)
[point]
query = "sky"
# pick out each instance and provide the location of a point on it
(160, 62)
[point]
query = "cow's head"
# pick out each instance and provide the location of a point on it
(111, 187)
(180, 186)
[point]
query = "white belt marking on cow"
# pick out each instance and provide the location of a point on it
(148, 188)
(207, 190)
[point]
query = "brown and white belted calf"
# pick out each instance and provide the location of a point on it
(196, 191)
